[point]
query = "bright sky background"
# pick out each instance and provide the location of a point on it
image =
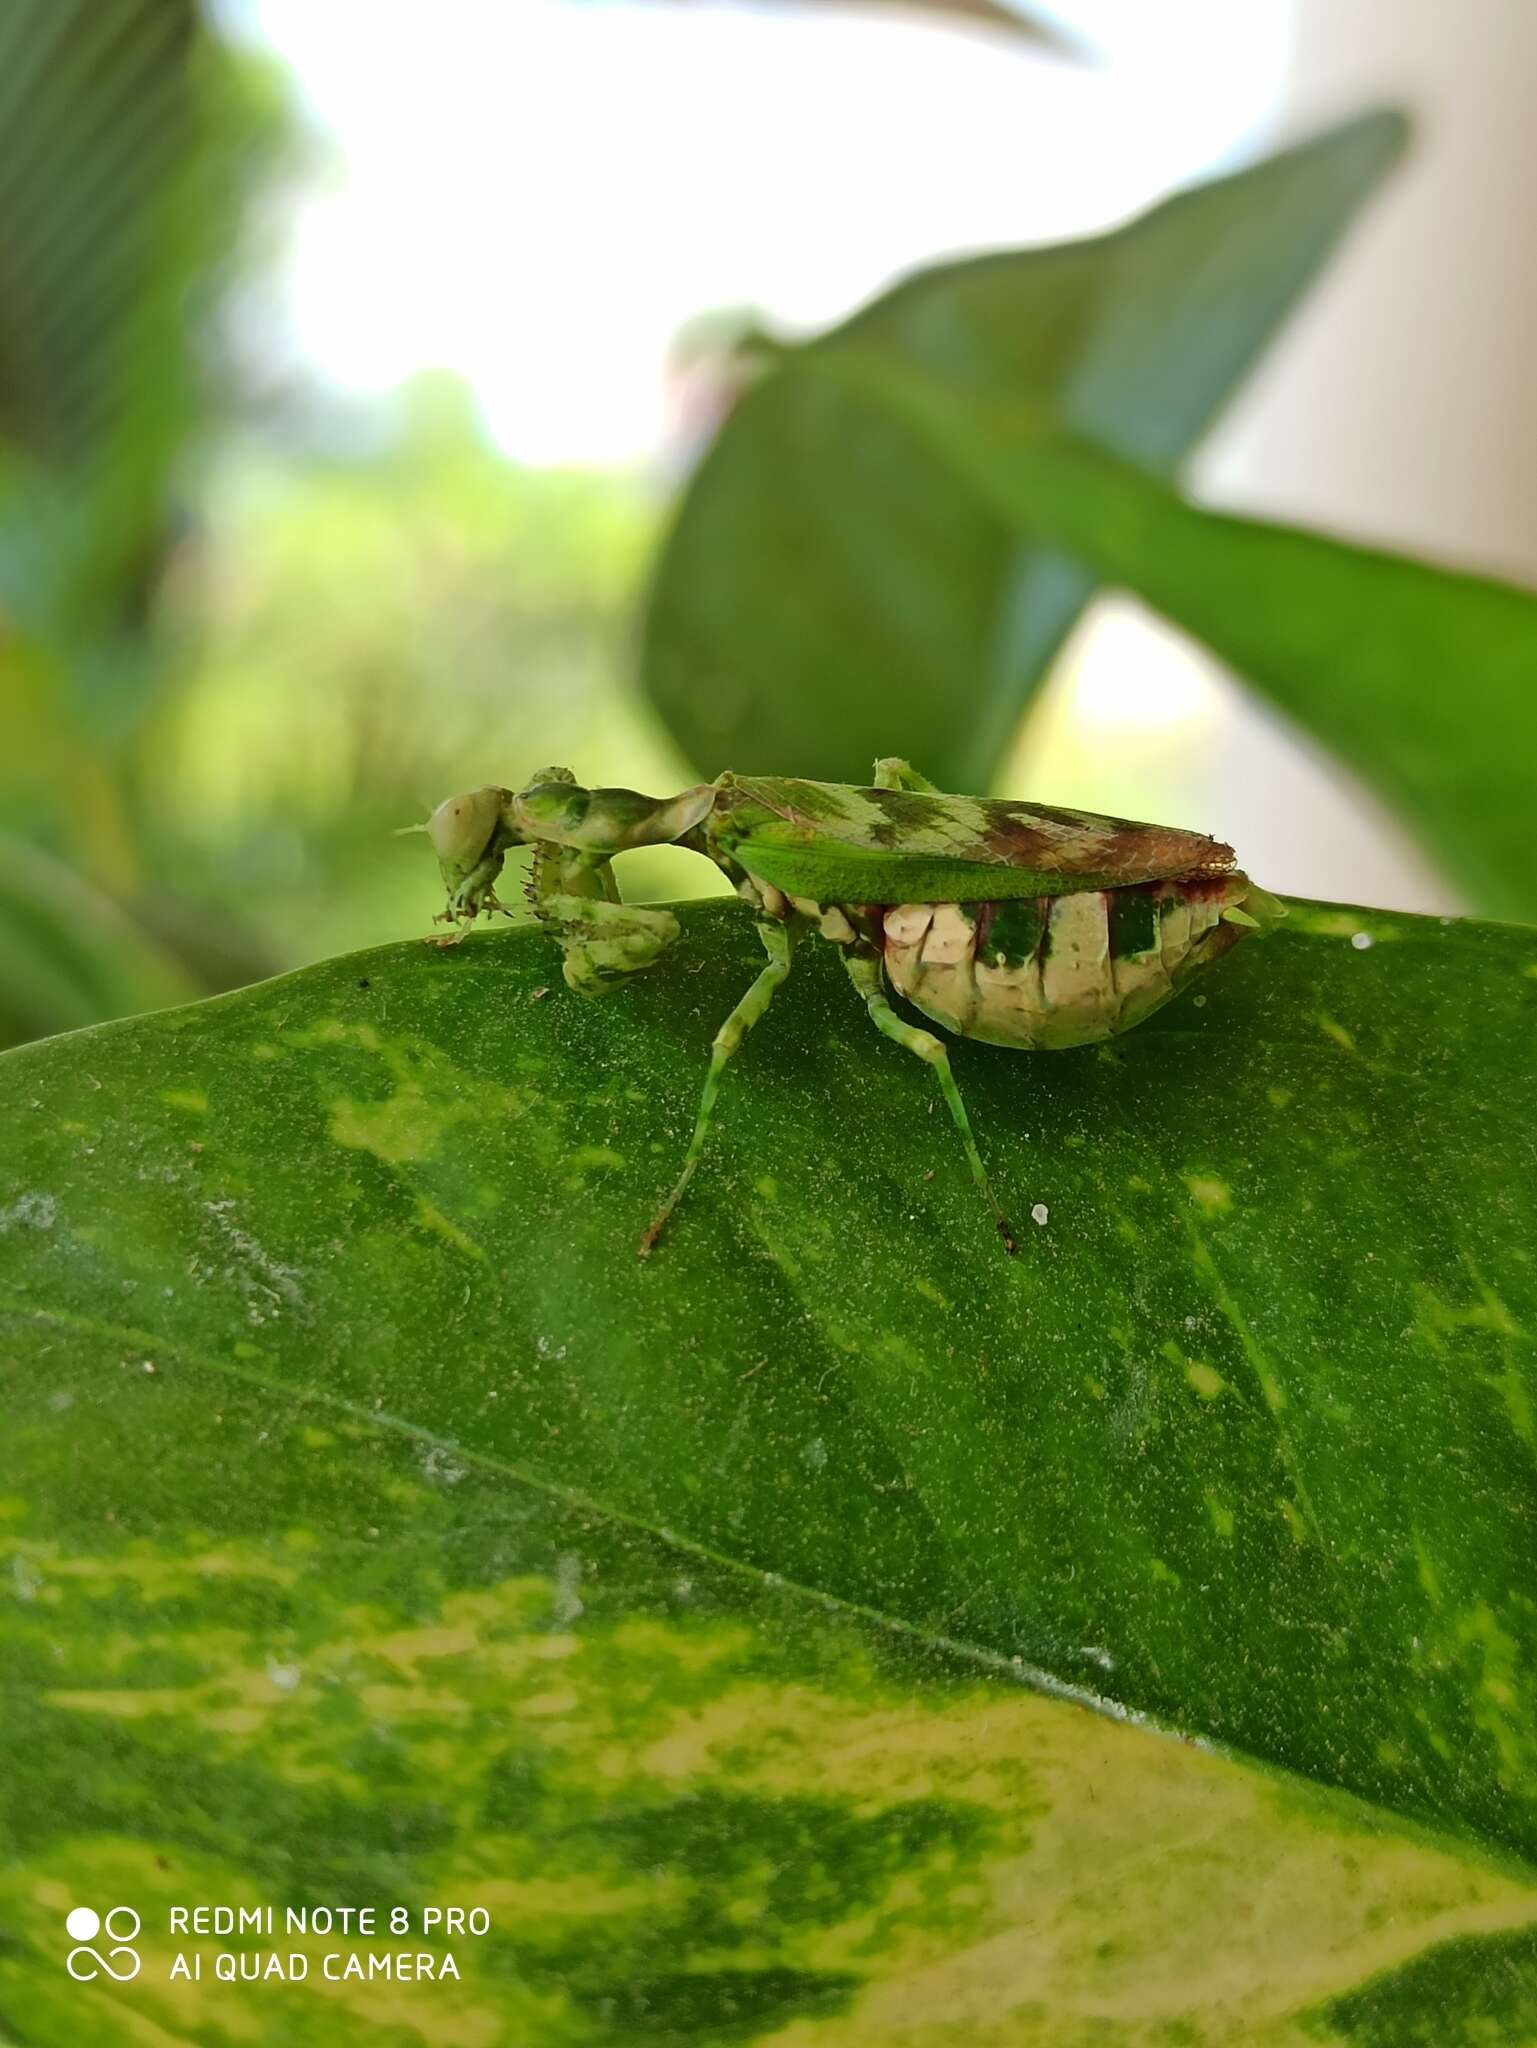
(538, 193)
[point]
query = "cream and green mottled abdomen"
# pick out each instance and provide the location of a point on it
(1044, 973)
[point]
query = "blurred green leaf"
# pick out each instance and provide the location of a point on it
(69, 956)
(127, 139)
(1019, 19)
(832, 591)
(1007, 14)
(103, 229)
(95, 124)
(127, 142)
(1423, 680)
(382, 1528)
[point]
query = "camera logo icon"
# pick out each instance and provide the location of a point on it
(121, 1925)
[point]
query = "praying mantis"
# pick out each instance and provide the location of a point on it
(1018, 924)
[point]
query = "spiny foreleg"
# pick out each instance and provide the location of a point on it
(605, 943)
(575, 896)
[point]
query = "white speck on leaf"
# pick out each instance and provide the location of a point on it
(40, 1211)
(815, 1454)
(284, 1676)
(440, 1465)
(567, 1604)
(1360, 940)
(264, 1280)
(1039, 1213)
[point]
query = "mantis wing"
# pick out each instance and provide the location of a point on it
(836, 844)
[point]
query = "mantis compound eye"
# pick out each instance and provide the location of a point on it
(462, 830)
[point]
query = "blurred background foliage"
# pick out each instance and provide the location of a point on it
(362, 631)
(235, 650)
(245, 632)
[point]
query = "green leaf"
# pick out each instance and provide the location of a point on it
(830, 592)
(1423, 680)
(383, 1531)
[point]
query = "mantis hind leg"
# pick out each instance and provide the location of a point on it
(865, 973)
(891, 772)
(779, 944)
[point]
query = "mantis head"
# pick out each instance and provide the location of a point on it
(471, 834)
(470, 837)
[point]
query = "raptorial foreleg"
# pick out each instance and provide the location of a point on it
(605, 943)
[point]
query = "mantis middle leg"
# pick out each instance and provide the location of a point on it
(891, 772)
(779, 944)
(865, 973)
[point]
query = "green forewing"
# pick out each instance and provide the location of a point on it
(837, 843)
(838, 875)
